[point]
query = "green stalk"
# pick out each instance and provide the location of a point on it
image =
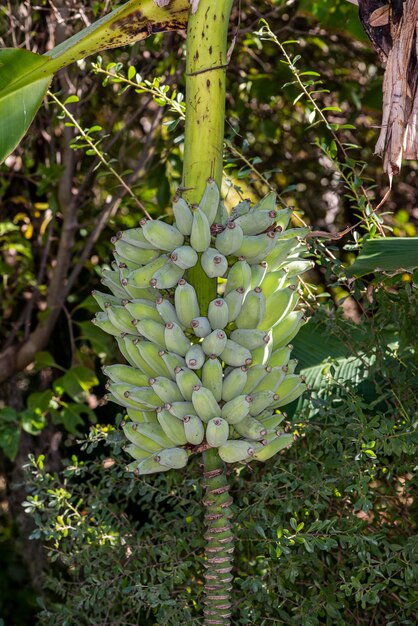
(206, 63)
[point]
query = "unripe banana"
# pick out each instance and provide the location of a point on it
(262, 400)
(235, 355)
(172, 361)
(255, 375)
(102, 321)
(235, 450)
(140, 256)
(166, 389)
(162, 235)
(167, 276)
(185, 257)
(254, 248)
(271, 422)
(290, 389)
(180, 409)
(234, 300)
(218, 314)
(195, 357)
(147, 466)
(272, 448)
(272, 380)
(154, 432)
(281, 251)
(210, 200)
(200, 236)
(186, 379)
(215, 342)
(142, 309)
(239, 275)
(193, 429)
(287, 329)
(214, 263)
(276, 280)
(174, 458)
(121, 393)
(120, 318)
(258, 273)
(204, 403)
(221, 216)
(267, 203)
(212, 374)
(125, 374)
(250, 338)
(230, 239)
(175, 339)
(241, 208)
(217, 432)
(253, 309)
(278, 305)
(136, 452)
(142, 276)
(110, 279)
(139, 439)
(283, 217)
(234, 383)
(104, 299)
(236, 409)
(250, 428)
(153, 331)
(135, 237)
(173, 427)
(256, 221)
(142, 417)
(261, 355)
(201, 326)
(150, 352)
(294, 233)
(166, 311)
(182, 215)
(280, 356)
(123, 263)
(134, 357)
(297, 267)
(290, 367)
(143, 396)
(124, 351)
(186, 303)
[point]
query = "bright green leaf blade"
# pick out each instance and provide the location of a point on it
(391, 255)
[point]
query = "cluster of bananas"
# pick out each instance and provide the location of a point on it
(216, 380)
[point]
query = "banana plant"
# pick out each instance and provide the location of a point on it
(203, 309)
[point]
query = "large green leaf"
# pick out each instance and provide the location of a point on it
(390, 254)
(25, 77)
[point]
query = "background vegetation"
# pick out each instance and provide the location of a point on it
(327, 532)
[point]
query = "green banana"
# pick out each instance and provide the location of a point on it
(193, 429)
(262, 400)
(143, 396)
(294, 233)
(110, 279)
(281, 251)
(218, 314)
(153, 331)
(287, 329)
(258, 273)
(221, 217)
(186, 379)
(186, 303)
(290, 367)
(125, 374)
(234, 300)
(212, 374)
(210, 200)
(254, 248)
(102, 321)
(205, 403)
(214, 263)
(235, 355)
(120, 318)
(141, 416)
(128, 252)
(139, 439)
(166, 389)
(280, 356)
(150, 353)
(200, 235)
(273, 447)
(234, 383)
(255, 374)
(161, 235)
(175, 339)
(184, 256)
(182, 215)
(239, 275)
(195, 357)
(250, 428)
(172, 361)
(136, 237)
(214, 343)
(241, 208)
(230, 239)
(121, 393)
(142, 309)
(250, 338)
(135, 357)
(274, 378)
(267, 202)
(147, 466)
(201, 326)
(261, 355)
(235, 450)
(217, 432)
(172, 427)
(104, 299)
(297, 267)
(271, 422)
(236, 409)
(283, 217)
(154, 432)
(253, 309)
(167, 276)
(174, 458)
(142, 276)
(136, 452)
(290, 389)
(180, 409)
(256, 221)
(166, 311)
(278, 305)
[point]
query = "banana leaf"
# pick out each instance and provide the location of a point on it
(392, 254)
(25, 76)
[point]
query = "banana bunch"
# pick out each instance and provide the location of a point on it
(215, 378)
